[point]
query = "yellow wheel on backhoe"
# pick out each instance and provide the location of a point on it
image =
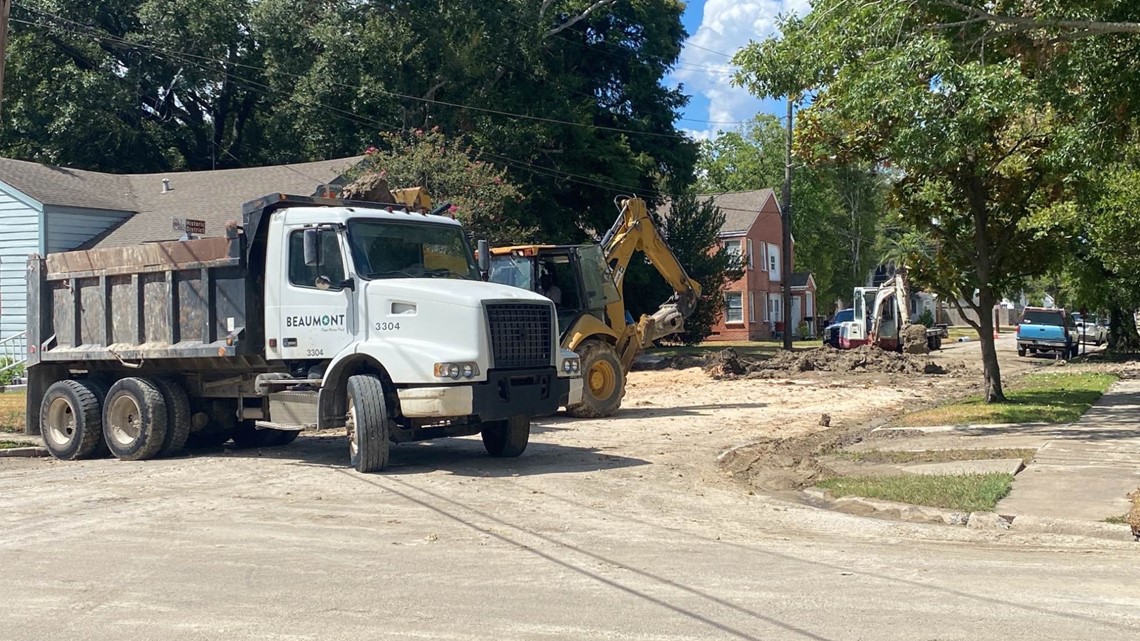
(603, 381)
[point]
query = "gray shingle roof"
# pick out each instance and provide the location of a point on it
(740, 208)
(800, 279)
(213, 196)
(68, 187)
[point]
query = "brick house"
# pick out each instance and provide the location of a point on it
(753, 305)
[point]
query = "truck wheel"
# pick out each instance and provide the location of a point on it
(134, 419)
(506, 439)
(1021, 351)
(177, 414)
(100, 385)
(367, 424)
(70, 422)
(603, 381)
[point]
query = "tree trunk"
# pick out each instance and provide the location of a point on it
(990, 367)
(1122, 335)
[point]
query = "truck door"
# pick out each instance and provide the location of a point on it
(315, 318)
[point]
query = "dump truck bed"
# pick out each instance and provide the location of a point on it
(182, 299)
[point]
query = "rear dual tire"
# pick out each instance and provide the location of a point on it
(70, 420)
(135, 419)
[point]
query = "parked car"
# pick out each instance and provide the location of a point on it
(1047, 330)
(1092, 329)
(831, 332)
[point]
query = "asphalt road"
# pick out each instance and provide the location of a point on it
(561, 544)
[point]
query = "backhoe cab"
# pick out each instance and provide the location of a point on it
(585, 284)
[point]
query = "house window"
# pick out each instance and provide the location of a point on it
(750, 257)
(752, 308)
(773, 262)
(774, 308)
(733, 247)
(733, 307)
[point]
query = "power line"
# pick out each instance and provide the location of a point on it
(621, 52)
(393, 94)
(523, 165)
(696, 46)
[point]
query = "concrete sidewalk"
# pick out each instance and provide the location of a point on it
(1085, 469)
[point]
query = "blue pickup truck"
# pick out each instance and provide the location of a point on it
(1049, 331)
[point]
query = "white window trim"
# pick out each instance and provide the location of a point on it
(726, 308)
(751, 307)
(749, 253)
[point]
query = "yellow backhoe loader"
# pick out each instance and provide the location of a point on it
(585, 283)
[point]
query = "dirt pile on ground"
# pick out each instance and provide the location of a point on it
(729, 364)
(914, 339)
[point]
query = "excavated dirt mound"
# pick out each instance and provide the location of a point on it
(729, 364)
(914, 339)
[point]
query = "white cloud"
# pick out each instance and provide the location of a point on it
(726, 26)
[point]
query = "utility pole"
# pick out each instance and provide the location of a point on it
(786, 223)
(5, 8)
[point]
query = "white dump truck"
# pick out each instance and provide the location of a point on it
(313, 313)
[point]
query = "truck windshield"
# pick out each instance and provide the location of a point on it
(394, 249)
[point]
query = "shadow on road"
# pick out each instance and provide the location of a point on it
(459, 456)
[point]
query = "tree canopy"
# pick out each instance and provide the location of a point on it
(566, 95)
(980, 153)
(837, 207)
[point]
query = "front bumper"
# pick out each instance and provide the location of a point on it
(505, 393)
(575, 392)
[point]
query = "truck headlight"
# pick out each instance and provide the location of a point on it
(571, 365)
(455, 371)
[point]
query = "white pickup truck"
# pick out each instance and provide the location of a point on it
(314, 313)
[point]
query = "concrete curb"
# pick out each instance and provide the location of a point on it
(938, 429)
(861, 506)
(1095, 529)
(1024, 523)
(24, 452)
(21, 438)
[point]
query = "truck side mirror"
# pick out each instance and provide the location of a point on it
(312, 247)
(484, 258)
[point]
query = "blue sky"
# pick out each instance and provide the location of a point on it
(719, 27)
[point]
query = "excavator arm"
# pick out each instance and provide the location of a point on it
(632, 232)
(892, 291)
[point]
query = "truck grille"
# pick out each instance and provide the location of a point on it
(521, 334)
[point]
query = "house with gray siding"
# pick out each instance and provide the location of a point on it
(46, 209)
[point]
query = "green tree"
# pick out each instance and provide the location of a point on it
(452, 172)
(837, 207)
(978, 154)
(692, 229)
(566, 95)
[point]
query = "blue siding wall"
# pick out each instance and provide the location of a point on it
(19, 237)
(70, 227)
